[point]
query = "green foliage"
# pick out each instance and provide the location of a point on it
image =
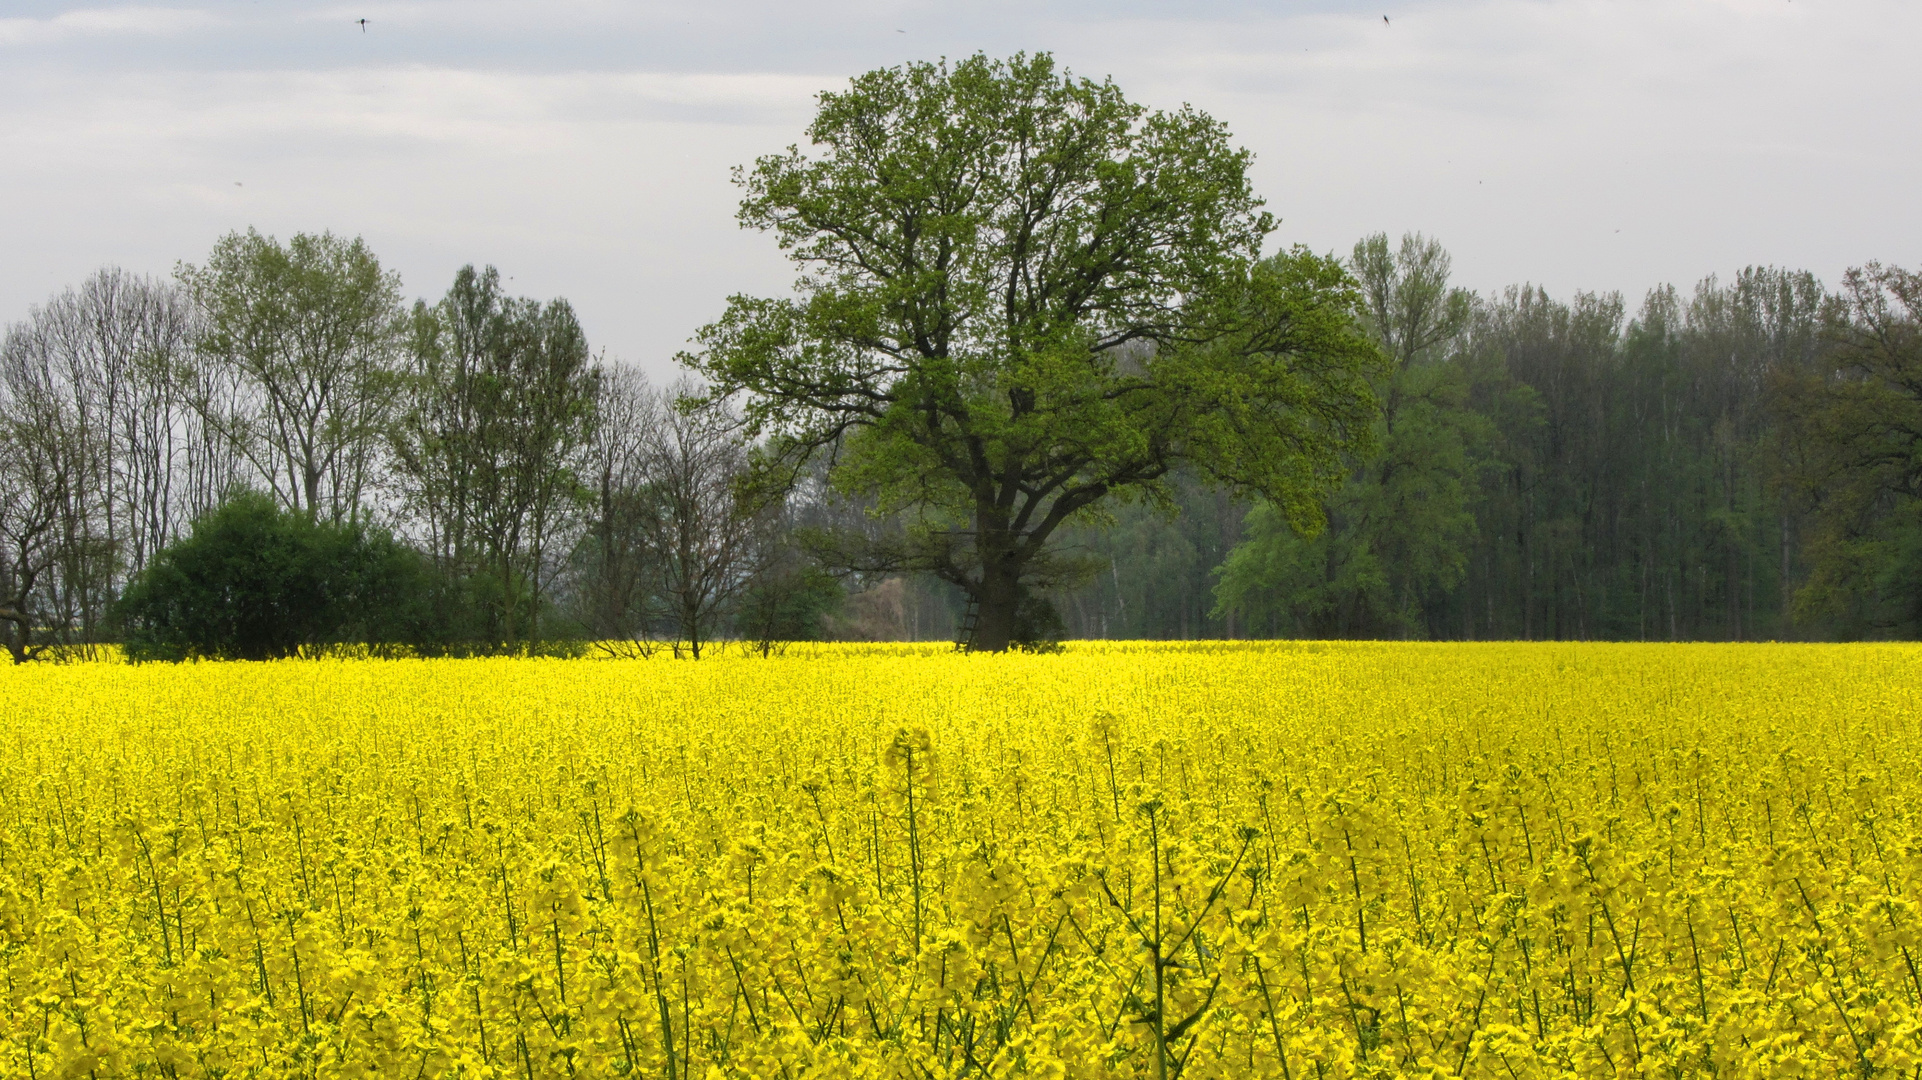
(1400, 530)
(1867, 576)
(1400, 527)
(1023, 295)
(297, 355)
(1154, 561)
(253, 582)
(1552, 469)
(789, 601)
(498, 401)
(1038, 626)
(1634, 497)
(1855, 418)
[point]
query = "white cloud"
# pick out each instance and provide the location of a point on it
(1710, 134)
(147, 21)
(608, 188)
(497, 111)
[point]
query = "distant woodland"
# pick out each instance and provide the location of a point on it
(1735, 461)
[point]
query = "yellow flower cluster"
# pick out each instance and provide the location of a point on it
(1248, 860)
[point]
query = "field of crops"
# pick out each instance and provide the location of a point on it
(1121, 861)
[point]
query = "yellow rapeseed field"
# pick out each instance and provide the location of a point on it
(1126, 860)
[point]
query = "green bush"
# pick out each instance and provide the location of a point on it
(1038, 626)
(253, 583)
(788, 602)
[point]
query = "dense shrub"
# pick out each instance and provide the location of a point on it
(790, 601)
(253, 582)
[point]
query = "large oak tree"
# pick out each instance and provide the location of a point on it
(1021, 296)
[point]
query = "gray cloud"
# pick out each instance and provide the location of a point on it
(584, 147)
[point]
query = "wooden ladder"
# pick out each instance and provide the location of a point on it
(970, 619)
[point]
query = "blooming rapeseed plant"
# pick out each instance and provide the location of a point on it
(1125, 860)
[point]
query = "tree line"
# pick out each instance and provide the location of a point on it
(1730, 462)
(277, 421)
(1037, 379)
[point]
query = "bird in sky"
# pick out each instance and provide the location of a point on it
(363, 25)
(1384, 20)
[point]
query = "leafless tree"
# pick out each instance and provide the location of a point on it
(115, 347)
(613, 567)
(53, 561)
(28, 530)
(672, 542)
(105, 460)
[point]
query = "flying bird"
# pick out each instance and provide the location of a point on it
(1384, 20)
(363, 25)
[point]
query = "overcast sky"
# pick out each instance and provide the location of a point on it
(584, 147)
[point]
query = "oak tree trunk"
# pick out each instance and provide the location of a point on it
(998, 596)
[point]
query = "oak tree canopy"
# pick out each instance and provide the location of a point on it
(1022, 297)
